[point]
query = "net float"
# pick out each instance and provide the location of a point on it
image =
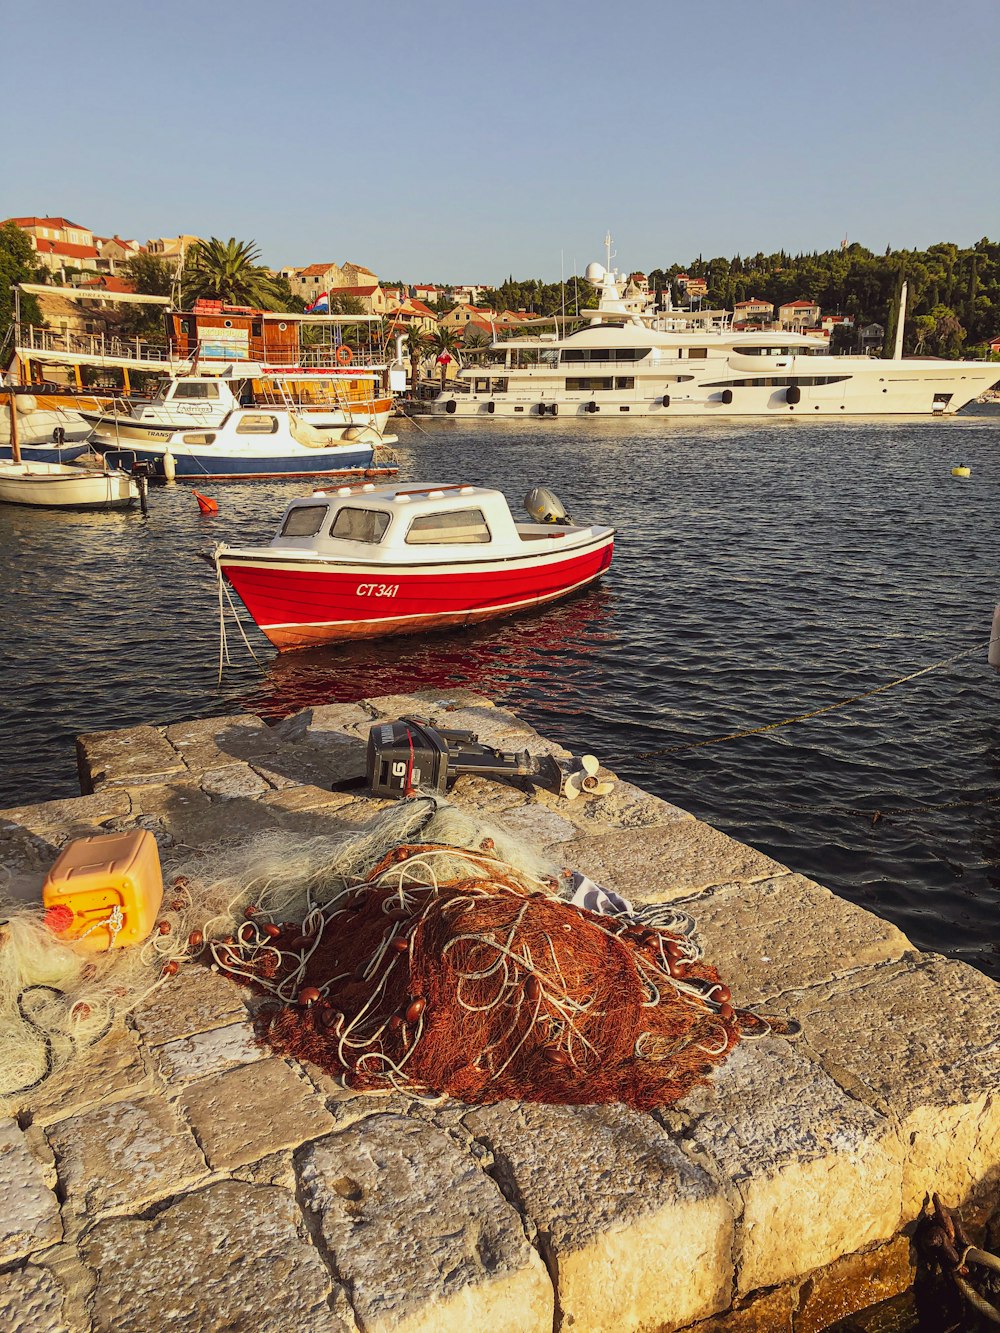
(163, 927)
(533, 989)
(721, 994)
(170, 969)
(414, 1009)
(401, 943)
(727, 1012)
(196, 939)
(272, 931)
(307, 996)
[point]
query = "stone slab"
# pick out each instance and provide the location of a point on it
(111, 1070)
(195, 1001)
(233, 779)
(56, 822)
(918, 1041)
(424, 1239)
(818, 1174)
(623, 807)
(122, 1157)
(251, 1111)
(204, 1053)
(32, 1301)
(125, 758)
(772, 936)
(29, 1211)
(663, 862)
(306, 797)
(636, 1235)
(233, 1256)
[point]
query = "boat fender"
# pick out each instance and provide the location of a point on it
(542, 409)
(793, 393)
(26, 403)
(554, 410)
(727, 396)
(592, 407)
(666, 400)
(491, 407)
(451, 407)
(169, 465)
(344, 355)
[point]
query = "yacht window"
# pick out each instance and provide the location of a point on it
(254, 424)
(500, 385)
(462, 526)
(303, 521)
(624, 381)
(586, 384)
(359, 525)
(698, 353)
(482, 386)
(198, 389)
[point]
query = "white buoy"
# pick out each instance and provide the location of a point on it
(993, 656)
(169, 465)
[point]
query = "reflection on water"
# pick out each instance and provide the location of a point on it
(497, 660)
(761, 570)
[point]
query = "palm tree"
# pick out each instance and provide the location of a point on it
(416, 340)
(445, 348)
(228, 271)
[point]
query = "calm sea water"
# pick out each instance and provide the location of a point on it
(762, 570)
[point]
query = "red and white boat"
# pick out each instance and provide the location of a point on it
(362, 562)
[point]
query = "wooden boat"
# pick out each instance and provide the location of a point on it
(362, 562)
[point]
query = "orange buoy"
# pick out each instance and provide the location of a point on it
(206, 505)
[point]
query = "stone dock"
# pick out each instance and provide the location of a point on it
(182, 1177)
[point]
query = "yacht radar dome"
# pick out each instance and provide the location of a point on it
(595, 273)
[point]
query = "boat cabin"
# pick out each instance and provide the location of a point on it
(411, 524)
(220, 332)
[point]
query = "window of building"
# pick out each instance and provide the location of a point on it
(353, 524)
(459, 527)
(257, 424)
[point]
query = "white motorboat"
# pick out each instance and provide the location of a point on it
(65, 486)
(630, 358)
(251, 443)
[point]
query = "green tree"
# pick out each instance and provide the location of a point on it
(17, 264)
(416, 343)
(229, 271)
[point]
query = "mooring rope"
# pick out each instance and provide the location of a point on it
(815, 712)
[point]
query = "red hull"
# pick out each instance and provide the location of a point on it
(302, 607)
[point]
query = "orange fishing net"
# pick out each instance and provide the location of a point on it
(483, 987)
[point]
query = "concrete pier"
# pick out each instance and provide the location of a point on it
(181, 1176)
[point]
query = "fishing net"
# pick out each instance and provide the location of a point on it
(451, 973)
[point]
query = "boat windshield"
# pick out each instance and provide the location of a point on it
(303, 521)
(359, 525)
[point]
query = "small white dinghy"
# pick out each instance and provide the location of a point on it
(61, 485)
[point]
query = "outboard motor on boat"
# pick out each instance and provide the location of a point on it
(544, 507)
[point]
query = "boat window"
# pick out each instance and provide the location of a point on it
(461, 526)
(697, 353)
(199, 437)
(500, 385)
(624, 381)
(359, 525)
(303, 521)
(197, 389)
(587, 383)
(257, 424)
(482, 386)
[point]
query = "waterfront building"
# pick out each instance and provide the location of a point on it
(800, 314)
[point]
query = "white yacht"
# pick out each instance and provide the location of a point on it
(630, 357)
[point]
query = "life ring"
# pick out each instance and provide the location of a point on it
(344, 355)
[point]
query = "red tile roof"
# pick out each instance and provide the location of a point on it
(43, 222)
(109, 284)
(807, 305)
(65, 249)
(353, 291)
(315, 270)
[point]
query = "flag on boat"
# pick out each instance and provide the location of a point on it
(321, 306)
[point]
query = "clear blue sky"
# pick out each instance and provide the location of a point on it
(456, 141)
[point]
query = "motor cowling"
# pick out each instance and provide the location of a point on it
(544, 507)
